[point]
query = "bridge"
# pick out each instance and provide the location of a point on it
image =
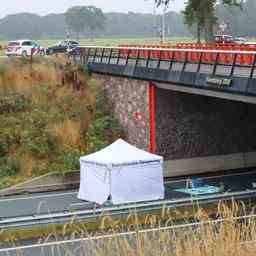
(193, 104)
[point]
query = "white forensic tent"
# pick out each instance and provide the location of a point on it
(123, 171)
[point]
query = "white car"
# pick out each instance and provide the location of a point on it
(239, 40)
(23, 48)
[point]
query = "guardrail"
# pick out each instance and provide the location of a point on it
(133, 234)
(202, 46)
(177, 59)
(120, 210)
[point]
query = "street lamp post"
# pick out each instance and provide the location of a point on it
(163, 25)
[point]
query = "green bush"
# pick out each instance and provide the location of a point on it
(13, 103)
(103, 106)
(9, 167)
(102, 132)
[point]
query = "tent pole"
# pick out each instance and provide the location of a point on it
(110, 183)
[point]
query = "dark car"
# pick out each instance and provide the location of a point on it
(62, 47)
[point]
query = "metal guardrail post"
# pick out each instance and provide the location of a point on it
(216, 64)
(253, 67)
(127, 57)
(102, 55)
(89, 54)
(171, 60)
(110, 56)
(159, 60)
(185, 62)
(137, 58)
(199, 62)
(118, 56)
(95, 55)
(251, 72)
(233, 65)
(148, 58)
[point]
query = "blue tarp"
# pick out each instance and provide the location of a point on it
(204, 190)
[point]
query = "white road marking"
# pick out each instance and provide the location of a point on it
(79, 204)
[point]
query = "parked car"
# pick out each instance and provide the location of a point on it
(23, 48)
(239, 40)
(223, 39)
(62, 47)
(226, 39)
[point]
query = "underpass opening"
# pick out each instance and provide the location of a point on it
(196, 131)
(198, 134)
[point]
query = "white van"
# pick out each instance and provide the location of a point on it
(23, 48)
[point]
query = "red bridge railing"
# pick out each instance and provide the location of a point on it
(168, 58)
(210, 51)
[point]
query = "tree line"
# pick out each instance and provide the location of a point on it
(29, 25)
(199, 18)
(205, 15)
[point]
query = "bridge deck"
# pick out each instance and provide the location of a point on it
(217, 70)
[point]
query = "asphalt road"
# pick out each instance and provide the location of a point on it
(29, 205)
(68, 247)
(35, 204)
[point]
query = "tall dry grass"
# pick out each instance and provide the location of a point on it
(67, 132)
(53, 105)
(16, 75)
(228, 236)
(231, 237)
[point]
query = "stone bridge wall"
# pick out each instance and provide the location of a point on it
(130, 98)
(190, 125)
(187, 125)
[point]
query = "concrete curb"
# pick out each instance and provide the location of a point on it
(61, 181)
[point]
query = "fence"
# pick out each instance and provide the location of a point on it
(179, 59)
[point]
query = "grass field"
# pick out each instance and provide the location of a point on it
(118, 41)
(113, 41)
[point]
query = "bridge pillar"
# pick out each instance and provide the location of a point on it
(152, 118)
(134, 107)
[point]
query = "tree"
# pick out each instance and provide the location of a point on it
(80, 17)
(202, 12)
(193, 15)
(95, 19)
(75, 19)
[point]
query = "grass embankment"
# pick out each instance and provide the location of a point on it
(47, 121)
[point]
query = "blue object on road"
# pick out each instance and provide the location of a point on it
(196, 186)
(204, 190)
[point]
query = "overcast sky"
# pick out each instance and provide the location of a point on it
(57, 6)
